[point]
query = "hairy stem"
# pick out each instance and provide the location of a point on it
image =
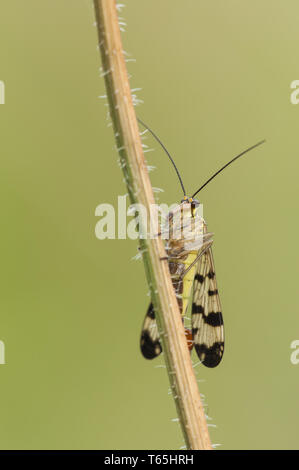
(177, 357)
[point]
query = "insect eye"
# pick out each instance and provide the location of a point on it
(195, 203)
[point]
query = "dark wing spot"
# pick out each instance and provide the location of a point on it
(210, 357)
(150, 311)
(199, 278)
(194, 331)
(212, 292)
(197, 308)
(149, 348)
(214, 319)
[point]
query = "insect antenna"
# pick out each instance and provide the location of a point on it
(166, 151)
(234, 159)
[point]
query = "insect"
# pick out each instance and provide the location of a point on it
(191, 264)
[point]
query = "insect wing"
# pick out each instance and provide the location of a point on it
(207, 321)
(149, 342)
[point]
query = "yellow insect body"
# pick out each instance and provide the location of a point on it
(188, 280)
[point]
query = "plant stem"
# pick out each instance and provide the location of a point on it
(177, 357)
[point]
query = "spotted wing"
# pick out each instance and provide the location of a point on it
(207, 321)
(149, 342)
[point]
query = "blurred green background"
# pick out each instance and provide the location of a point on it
(215, 79)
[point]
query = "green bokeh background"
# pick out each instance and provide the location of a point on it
(215, 78)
